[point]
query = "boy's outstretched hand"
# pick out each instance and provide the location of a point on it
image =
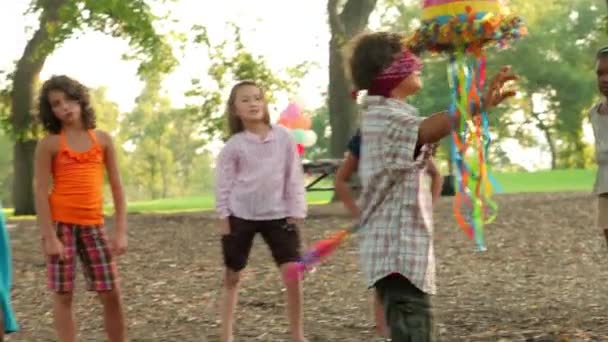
(495, 93)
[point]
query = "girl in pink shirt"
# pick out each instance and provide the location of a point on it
(259, 189)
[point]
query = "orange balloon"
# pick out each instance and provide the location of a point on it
(302, 122)
(285, 122)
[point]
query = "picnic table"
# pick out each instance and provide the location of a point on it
(323, 168)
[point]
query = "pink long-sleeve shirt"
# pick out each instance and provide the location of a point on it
(260, 179)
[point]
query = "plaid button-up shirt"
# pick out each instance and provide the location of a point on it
(396, 221)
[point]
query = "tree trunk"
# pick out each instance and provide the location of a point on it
(152, 185)
(552, 148)
(23, 167)
(342, 107)
(164, 178)
(165, 190)
(26, 75)
(548, 136)
(579, 161)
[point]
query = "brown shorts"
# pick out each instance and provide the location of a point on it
(602, 211)
(282, 238)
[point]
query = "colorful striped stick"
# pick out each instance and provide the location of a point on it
(319, 252)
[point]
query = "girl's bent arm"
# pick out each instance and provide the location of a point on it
(42, 178)
(345, 171)
(225, 175)
(118, 195)
(436, 181)
(295, 196)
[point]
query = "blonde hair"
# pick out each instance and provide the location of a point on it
(235, 124)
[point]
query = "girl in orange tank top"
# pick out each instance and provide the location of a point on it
(75, 157)
(77, 193)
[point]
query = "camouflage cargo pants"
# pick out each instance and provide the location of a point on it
(407, 310)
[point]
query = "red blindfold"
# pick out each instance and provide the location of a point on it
(391, 77)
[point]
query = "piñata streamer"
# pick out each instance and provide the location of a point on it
(463, 29)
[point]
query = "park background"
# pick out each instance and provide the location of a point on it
(159, 73)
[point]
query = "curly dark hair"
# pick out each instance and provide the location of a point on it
(235, 125)
(601, 53)
(372, 53)
(74, 90)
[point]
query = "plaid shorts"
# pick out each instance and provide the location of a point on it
(91, 245)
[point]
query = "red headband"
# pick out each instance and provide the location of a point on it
(405, 65)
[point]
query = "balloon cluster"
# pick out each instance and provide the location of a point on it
(299, 124)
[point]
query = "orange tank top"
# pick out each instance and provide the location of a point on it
(77, 193)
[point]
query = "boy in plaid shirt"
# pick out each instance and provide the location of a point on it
(396, 211)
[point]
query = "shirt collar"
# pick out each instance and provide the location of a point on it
(256, 138)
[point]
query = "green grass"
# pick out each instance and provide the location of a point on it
(517, 182)
(547, 181)
(203, 202)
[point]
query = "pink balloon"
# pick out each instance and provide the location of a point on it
(291, 112)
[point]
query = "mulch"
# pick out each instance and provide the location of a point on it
(543, 278)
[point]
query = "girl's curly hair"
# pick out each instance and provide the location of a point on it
(74, 90)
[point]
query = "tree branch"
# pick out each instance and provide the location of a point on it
(335, 22)
(29, 66)
(355, 15)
